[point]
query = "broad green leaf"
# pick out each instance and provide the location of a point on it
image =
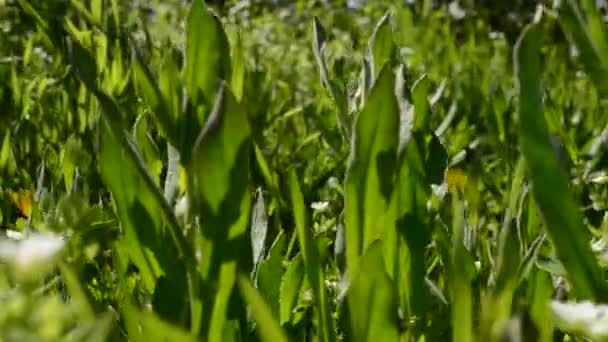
(584, 28)
(561, 215)
(312, 262)
(207, 55)
(369, 178)
(218, 177)
(372, 299)
(267, 328)
(381, 45)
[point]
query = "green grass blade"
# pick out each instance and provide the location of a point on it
(312, 264)
(136, 194)
(410, 199)
(590, 38)
(333, 89)
(318, 44)
(370, 173)
(372, 299)
(270, 273)
(556, 204)
(142, 221)
(151, 92)
(268, 328)
(291, 285)
(461, 297)
(218, 178)
(509, 253)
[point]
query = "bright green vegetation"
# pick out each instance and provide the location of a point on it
(302, 172)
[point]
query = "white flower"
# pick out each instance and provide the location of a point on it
(585, 317)
(31, 256)
(320, 206)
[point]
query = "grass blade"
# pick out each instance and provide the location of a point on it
(312, 264)
(590, 38)
(371, 168)
(461, 298)
(562, 218)
(218, 177)
(372, 299)
(267, 327)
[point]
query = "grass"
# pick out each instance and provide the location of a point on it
(301, 172)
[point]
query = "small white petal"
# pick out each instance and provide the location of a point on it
(320, 206)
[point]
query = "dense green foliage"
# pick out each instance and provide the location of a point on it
(303, 171)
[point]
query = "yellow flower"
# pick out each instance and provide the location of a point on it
(456, 179)
(24, 202)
